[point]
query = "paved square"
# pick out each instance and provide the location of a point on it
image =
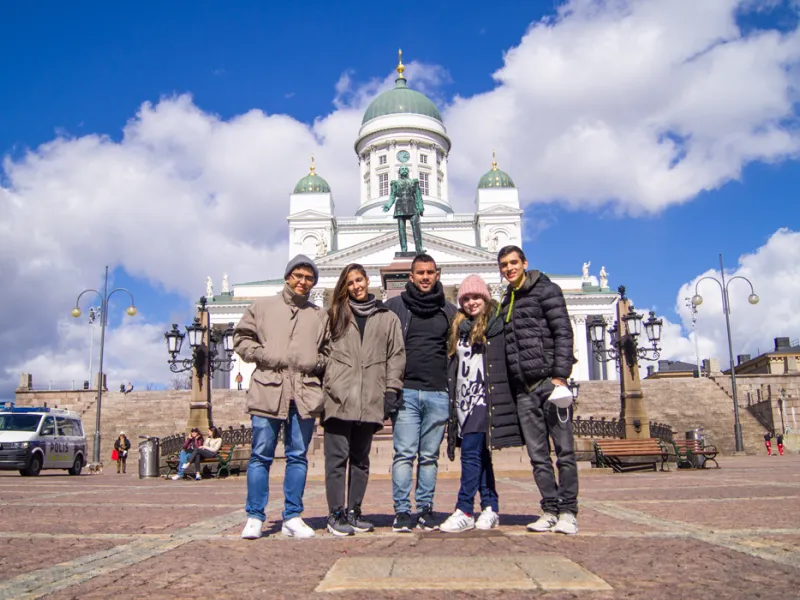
(727, 533)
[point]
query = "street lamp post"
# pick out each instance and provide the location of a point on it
(203, 340)
(625, 349)
(697, 300)
(693, 309)
(94, 314)
(76, 312)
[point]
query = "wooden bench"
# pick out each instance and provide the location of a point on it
(222, 460)
(618, 454)
(687, 450)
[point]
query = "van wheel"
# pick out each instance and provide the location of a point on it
(76, 467)
(35, 466)
(23, 472)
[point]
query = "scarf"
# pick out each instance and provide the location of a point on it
(424, 305)
(365, 308)
(494, 327)
(292, 298)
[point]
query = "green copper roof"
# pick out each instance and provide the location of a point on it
(312, 183)
(495, 178)
(401, 99)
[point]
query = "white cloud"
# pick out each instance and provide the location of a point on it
(774, 270)
(643, 103)
(594, 104)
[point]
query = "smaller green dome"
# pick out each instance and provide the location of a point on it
(312, 183)
(495, 178)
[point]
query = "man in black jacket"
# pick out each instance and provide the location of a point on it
(540, 357)
(419, 417)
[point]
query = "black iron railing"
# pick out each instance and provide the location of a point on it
(661, 431)
(598, 428)
(172, 444)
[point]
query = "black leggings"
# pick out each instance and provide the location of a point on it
(346, 442)
(198, 455)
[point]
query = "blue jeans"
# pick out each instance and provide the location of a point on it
(418, 428)
(183, 458)
(476, 474)
(297, 438)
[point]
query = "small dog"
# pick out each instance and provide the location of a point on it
(95, 468)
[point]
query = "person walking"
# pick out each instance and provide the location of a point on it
(768, 442)
(420, 414)
(365, 359)
(122, 444)
(284, 335)
(482, 410)
(539, 342)
(779, 443)
(209, 449)
(239, 380)
(194, 441)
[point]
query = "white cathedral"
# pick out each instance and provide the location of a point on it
(404, 127)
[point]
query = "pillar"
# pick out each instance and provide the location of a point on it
(610, 367)
(581, 369)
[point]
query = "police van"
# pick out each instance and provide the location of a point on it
(32, 439)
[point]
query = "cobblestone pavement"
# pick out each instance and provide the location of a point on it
(727, 533)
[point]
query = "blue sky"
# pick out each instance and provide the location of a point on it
(76, 70)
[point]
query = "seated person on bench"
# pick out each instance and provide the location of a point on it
(210, 449)
(192, 443)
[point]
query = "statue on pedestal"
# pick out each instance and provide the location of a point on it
(603, 277)
(209, 288)
(225, 287)
(407, 200)
(322, 247)
(585, 270)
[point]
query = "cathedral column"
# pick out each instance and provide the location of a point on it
(443, 165)
(318, 297)
(497, 291)
(373, 176)
(610, 367)
(581, 369)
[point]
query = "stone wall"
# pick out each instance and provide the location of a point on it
(683, 403)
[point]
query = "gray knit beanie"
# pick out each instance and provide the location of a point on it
(301, 260)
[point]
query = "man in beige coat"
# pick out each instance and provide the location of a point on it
(284, 336)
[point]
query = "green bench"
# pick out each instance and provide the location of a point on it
(222, 460)
(630, 455)
(687, 450)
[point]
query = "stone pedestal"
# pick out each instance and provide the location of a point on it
(634, 412)
(200, 404)
(395, 275)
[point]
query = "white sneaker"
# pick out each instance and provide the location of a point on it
(544, 523)
(458, 521)
(197, 477)
(252, 529)
(176, 477)
(185, 466)
(567, 523)
(296, 527)
(487, 520)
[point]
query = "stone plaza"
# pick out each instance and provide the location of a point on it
(732, 532)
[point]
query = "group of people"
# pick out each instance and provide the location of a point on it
(778, 441)
(486, 372)
(195, 449)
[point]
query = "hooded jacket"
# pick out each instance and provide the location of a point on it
(284, 335)
(538, 331)
(359, 372)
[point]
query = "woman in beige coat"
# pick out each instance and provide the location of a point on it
(363, 376)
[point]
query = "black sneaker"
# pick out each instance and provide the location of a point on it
(357, 523)
(338, 525)
(427, 521)
(402, 523)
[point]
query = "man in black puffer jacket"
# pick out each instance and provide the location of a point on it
(540, 357)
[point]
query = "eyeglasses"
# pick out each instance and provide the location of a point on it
(300, 277)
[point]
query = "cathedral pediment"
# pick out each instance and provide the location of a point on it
(309, 215)
(380, 252)
(499, 209)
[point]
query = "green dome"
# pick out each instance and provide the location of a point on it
(495, 178)
(312, 183)
(401, 99)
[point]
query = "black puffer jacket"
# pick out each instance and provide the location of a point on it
(502, 427)
(538, 331)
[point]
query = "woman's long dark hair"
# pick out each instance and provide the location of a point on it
(214, 431)
(339, 313)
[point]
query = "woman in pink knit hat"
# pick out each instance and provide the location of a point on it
(483, 414)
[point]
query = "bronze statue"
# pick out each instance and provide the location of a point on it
(407, 198)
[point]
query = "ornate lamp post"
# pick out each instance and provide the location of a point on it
(204, 341)
(625, 348)
(574, 387)
(103, 315)
(697, 300)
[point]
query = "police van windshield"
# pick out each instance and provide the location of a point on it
(19, 422)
